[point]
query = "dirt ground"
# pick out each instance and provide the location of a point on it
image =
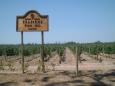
(60, 78)
(91, 72)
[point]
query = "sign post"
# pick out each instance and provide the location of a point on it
(22, 52)
(42, 50)
(32, 21)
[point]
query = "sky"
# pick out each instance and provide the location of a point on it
(69, 20)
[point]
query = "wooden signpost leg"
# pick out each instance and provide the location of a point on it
(42, 51)
(22, 52)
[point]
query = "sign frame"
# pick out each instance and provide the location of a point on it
(36, 28)
(27, 20)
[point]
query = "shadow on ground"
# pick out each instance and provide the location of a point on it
(78, 81)
(67, 83)
(9, 84)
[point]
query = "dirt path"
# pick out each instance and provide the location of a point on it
(69, 57)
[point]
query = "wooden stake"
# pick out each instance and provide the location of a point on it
(42, 51)
(89, 50)
(103, 50)
(22, 52)
(77, 62)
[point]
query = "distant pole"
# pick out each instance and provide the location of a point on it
(22, 52)
(103, 50)
(42, 51)
(77, 61)
(89, 50)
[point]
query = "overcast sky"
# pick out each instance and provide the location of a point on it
(69, 20)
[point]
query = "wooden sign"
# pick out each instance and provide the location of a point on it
(32, 21)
